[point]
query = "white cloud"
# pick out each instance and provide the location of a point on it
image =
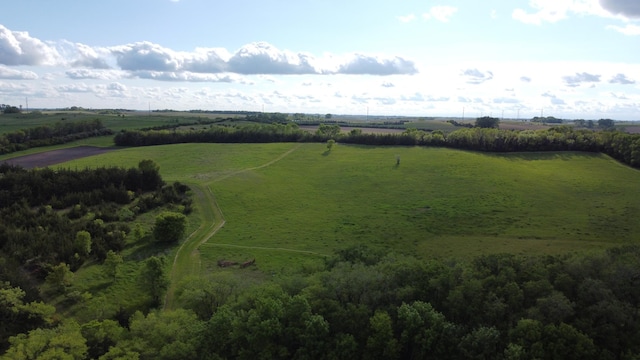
(440, 13)
(75, 88)
(621, 79)
(264, 58)
(79, 74)
(185, 76)
(406, 18)
(146, 56)
(475, 76)
(360, 64)
(580, 78)
(19, 48)
(12, 74)
(81, 55)
(556, 10)
(628, 29)
(554, 99)
(148, 60)
(506, 100)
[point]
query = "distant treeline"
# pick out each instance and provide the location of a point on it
(621, 146)
(46, 135)
(42, 210)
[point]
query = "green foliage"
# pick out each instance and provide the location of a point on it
(606, 124)
(153, 278)
(62, 342)
(330, 144)
(33, 231)
(18, 316)
(204, 296)
(169, 227)
(330, 131)
(101, 335)
(162, 335)
(487, 122)
(111, 264)
(60, 278)
(82, 244)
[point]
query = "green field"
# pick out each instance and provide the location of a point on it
(436, 203)
(126, 120)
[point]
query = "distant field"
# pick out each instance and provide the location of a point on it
(436, 203)
(115, 122)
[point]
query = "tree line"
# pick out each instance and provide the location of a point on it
(46, 135)
(621, 146)
(366, 305)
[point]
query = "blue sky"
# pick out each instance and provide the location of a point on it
(563, 58)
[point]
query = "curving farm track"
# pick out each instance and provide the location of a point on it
(187, 260)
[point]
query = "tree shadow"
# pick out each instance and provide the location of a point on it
(148, 250)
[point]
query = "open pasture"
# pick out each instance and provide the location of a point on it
(285, 204)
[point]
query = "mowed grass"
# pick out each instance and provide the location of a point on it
(435, 203)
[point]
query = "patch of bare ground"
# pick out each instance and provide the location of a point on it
(53, 157)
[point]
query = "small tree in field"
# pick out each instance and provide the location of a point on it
(330, 144)
(82, 244)
(153, 278)
(111, 264)
(60, 278)
(169, 227)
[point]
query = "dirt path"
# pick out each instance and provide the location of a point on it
(187, 260)
(258, 167)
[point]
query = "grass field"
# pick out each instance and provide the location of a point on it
(291, 205)
(115, 122)
(436, 203)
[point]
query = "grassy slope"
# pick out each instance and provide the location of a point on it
(438, 202)
(290, 213)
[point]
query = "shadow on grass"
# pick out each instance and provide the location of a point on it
(101, 286)
(326, 153)
(149, 249)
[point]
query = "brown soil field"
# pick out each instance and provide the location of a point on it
(366, 130)
(633, 129)
(52, 157)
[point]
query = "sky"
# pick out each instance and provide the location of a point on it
(572, 59)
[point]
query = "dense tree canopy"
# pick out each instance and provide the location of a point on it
(487, 122)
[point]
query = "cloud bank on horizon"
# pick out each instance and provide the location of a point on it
(574, 58)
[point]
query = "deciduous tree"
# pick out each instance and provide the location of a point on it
(169, 227)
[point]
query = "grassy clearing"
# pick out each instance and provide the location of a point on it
(291, 213)
(438, 202)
